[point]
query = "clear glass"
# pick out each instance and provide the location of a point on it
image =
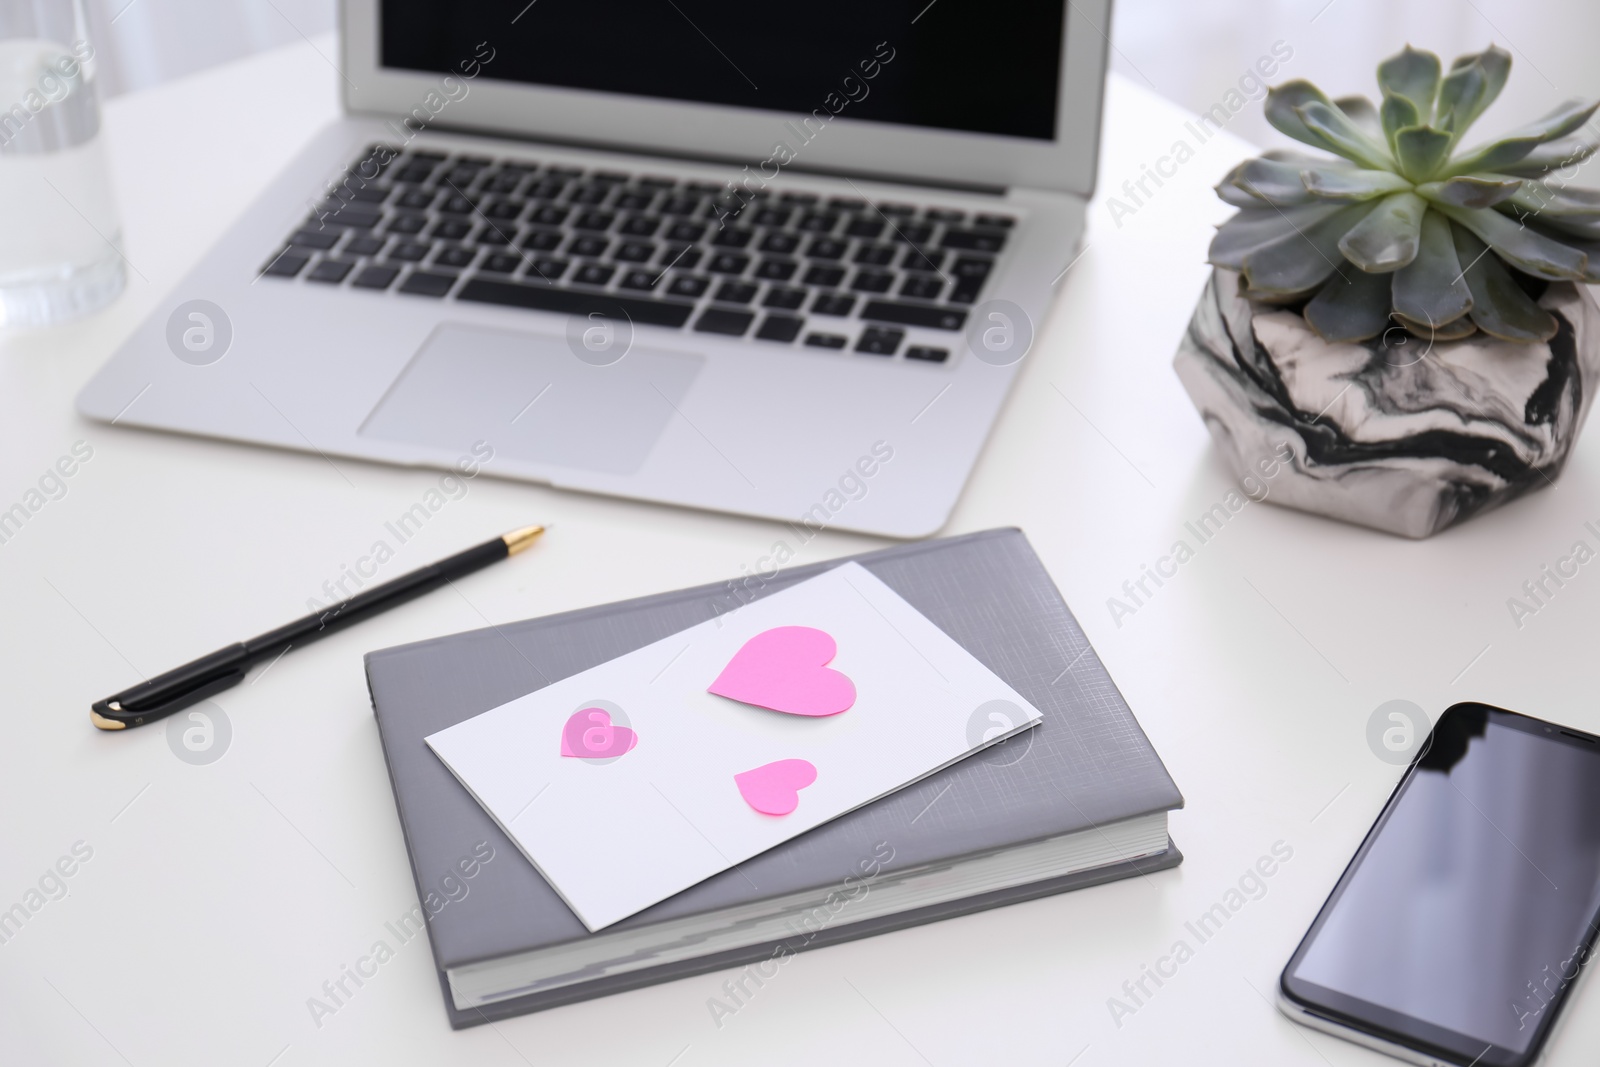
(59, 232)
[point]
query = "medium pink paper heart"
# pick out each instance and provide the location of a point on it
(589, 734)
(774, 789)
(785, 669)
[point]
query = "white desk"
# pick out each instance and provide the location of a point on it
(219, 898)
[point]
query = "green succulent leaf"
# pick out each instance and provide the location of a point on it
(1522, 247)
(1397, 113)
(1450, 331)
(1413, 74)
(1347, 183)
(1471, 86)
(1577, 234)
(1359, 110)
(1421, 150)
(1233, 195)
(1500, 308)
(1351, 306)
(1255, 228)
(1302, 159)
(1341, 136)
(1271, 181)
(1514, 147)
(1281, 105)
(1430, 290)
(1304, 258)
(1388, 238)
(1472, 191)
(1553, 155)
(1546, 201)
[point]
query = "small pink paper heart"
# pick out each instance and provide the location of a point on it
(589, 734)
(774, 788)
(785, 669)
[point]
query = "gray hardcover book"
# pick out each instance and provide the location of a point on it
(1086, 773)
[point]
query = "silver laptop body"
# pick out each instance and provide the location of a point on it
(708, 294)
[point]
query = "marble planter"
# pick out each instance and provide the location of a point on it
(1393, 433)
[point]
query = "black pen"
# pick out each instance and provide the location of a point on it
(193, 682)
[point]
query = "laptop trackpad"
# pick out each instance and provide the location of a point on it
(532, 398)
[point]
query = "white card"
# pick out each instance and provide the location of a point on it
(624, 822)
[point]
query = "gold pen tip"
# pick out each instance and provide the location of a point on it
(517, 540)
(103, 723)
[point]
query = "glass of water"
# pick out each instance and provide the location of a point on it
(59, 232)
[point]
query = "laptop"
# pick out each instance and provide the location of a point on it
(780, 260)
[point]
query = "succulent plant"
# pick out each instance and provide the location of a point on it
(1403, 228)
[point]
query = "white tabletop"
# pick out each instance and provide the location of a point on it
(219, 898)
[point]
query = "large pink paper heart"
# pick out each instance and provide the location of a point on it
(774, 788)
(589, 734)
(785, 669)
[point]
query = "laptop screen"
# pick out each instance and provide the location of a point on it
(985, 66)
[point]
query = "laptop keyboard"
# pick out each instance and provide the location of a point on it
(788, 269)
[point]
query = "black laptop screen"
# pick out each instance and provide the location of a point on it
(987, 66)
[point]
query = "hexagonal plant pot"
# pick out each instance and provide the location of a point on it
(1395, 433)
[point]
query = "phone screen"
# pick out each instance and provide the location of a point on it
(1472, 904)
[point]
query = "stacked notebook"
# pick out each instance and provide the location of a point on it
(1079, 799)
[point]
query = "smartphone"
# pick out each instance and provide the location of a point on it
(1455, 934)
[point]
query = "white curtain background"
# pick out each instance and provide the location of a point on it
(147, 42)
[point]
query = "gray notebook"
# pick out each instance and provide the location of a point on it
(1087, 767)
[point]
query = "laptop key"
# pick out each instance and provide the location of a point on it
(571, 302)
(323, 239)
(416, 198)
(922, 287)
(773, 216)
(880, 340)
(918, 259)
(330, 270)
(410, 251)
(728, 263)
(1003, 222)
(818, 222)
(407, 224)
(864, 227)
(634, 201)
(454, 256)
(550, 215)
(824, 276)
(502, 262)
(732, 238)
(364, 245)
(587, 245)
(937, 318)
(685, 231)
(376, 276)
(451, 229)
(287, 265)
(927, 353)
(640, 279)
(970, 273)
(541, 240)
(826, 340)
(688, 285)
(496, 235)
(721, 320)
(871, 281)
(945, 215)
(781, 243)
(735, 292)
(594, 274)
(639, 226)
(547, 269)
(456, 205)
(783, 328)
(594, 220)
(505, 209)
(847, 203)
(421, 283)
(788, 299)
(875, 255)
(679, 205)
(777, 270)
(683, 257)
(897, 209)
(635, 252)
(832, 304)
(414, 173)
(826, 248)
(913, 232)
(974, 240)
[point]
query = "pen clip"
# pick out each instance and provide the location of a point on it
(112, 714)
